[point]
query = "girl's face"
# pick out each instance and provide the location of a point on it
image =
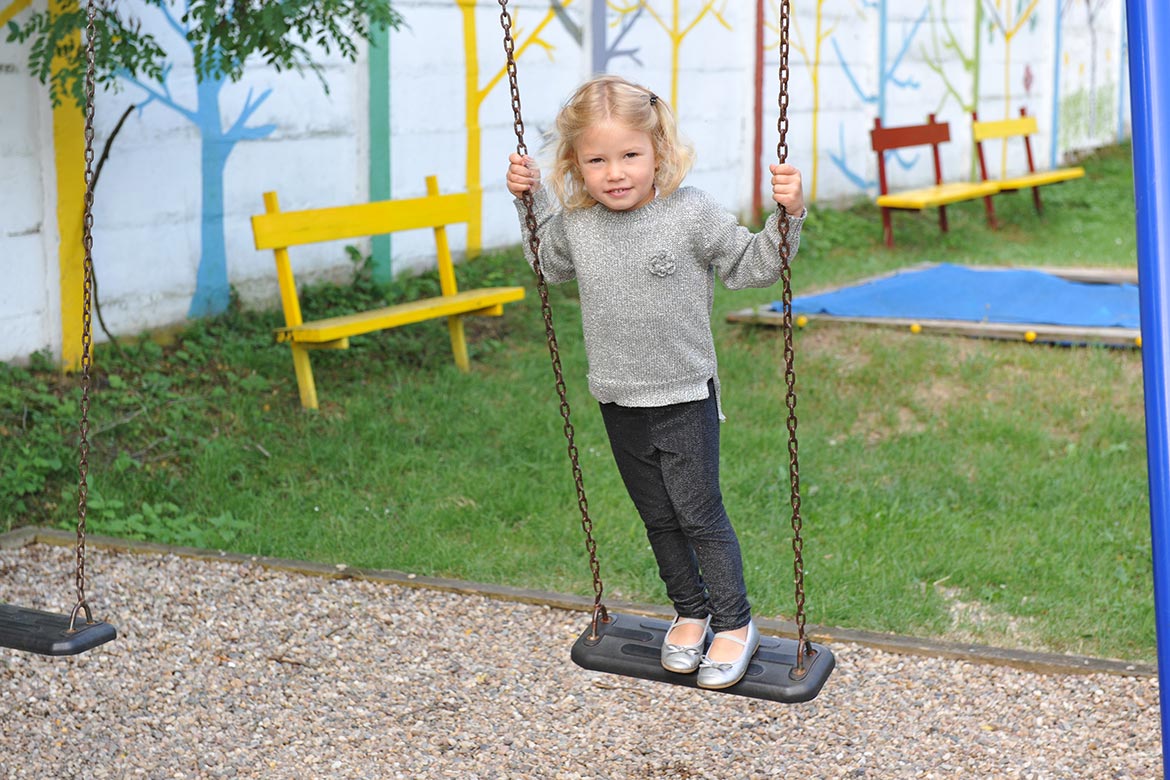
(617, 164)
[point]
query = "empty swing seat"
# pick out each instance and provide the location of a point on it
(631, 645)
(47, 633)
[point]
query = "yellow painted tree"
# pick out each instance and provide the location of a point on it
(475, 95)
(1007, 17)
(676, 30)
(68, 152)
(9, 10)
(810, 52)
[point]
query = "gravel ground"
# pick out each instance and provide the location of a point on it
(230, 670)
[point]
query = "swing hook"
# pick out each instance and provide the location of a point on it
(600, 613)
(78, 607)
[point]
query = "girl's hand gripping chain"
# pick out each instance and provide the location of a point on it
(523, 175)
(787, 189)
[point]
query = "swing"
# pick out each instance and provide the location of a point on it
(31, 630)
(782, 670)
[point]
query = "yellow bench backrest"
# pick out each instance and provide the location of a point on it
(294, 228)
(1004, 128)
(278, 230)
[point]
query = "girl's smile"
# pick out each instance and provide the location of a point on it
(617, 165)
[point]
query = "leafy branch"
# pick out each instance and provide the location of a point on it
(222, 34)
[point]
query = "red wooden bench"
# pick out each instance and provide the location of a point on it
(938, 195)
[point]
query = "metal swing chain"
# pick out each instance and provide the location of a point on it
(803, 644)
(86, 320)
(599, 611)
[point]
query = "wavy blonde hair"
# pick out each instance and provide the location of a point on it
(613, 99)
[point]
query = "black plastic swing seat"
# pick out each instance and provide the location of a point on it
(631, 646)
(47, 633)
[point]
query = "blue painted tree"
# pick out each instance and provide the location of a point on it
(216, 141)
(604, 49)
(889, 75)
(222, 36)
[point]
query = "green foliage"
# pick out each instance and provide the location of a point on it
(38, 423)
(223, 34)
(122, 46)
(163, 522)
(149, 406)
(326, 299)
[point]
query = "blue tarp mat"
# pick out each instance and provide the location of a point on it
(951, 292)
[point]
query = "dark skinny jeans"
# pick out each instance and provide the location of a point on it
(668, 457)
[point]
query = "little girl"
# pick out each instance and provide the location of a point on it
(644, 252)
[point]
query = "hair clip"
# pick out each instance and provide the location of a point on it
(653, 99)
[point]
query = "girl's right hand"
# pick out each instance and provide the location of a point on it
(523, 175)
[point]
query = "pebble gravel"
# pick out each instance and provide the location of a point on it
(231, 670)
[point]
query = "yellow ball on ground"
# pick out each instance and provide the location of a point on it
(801, 321)
(1030, 336)
(1137, 342)
(916, 328)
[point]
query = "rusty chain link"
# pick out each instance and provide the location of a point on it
(599, 611)
(804, 646)
(86, 320)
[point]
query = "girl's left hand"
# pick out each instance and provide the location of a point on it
(787, 189)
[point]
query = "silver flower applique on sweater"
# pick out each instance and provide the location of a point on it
(662, 264)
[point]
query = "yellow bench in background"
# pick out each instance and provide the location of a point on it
(1024, 127)
(278, 230)
(941, 194)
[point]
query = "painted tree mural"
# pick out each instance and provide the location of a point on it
(1005, 20)
(676, 28)
(812, 57)
(604, 49)
(11, 9)
(68, 149)
(290, 35)
(476, 94)
(892, 73)
(945, 45)
(1093, 10)
(217, 140)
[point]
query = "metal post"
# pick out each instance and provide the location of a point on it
(1149, 65)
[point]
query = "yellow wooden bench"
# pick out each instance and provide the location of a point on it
(278, 230)
(1023, 127)
(940, 194)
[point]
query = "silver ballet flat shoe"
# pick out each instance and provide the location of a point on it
(684, 659)
(724, 674)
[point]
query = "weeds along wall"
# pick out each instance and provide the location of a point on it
(187, 169)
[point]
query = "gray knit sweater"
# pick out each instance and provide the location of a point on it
(646, 281)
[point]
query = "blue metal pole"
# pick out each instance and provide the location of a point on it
(1149, 77)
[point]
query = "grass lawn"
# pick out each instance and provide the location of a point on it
(958, 488)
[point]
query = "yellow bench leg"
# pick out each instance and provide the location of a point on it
(305, 381)
(458, 343)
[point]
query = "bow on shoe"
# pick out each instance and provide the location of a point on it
(690, 650)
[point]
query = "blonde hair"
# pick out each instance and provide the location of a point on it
(613, 99)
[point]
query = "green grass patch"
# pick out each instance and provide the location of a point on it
(952, 487)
